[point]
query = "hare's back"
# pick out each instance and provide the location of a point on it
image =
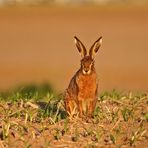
(73, 88)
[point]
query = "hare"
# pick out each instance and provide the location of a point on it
(81, 94)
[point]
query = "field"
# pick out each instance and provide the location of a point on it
(36, 46)
(34, 116)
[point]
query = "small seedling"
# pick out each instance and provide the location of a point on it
(76, 136)
(65, 130)
(126, 113)
(5, 130)
(57, 134)
(112, 138)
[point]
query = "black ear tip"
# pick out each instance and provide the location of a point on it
(75, 37)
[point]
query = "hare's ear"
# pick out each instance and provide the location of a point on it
(81, 48)
(95, 47)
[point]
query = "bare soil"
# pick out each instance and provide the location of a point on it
(36, 45)
(118, 122)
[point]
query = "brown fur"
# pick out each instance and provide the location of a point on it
(81, 95)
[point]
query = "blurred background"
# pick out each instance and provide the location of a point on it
(37, 45)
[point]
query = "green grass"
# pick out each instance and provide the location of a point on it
(34, 116)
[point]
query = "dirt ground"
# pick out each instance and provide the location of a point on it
(36, 45)
(120, 121)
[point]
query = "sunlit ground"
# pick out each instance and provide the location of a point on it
(37, 45)
(38, 57)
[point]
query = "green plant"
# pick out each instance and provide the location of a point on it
(57, 134)
(126, 113)
(76, 135)
(5, 130)
(112, 138)
(65, 129)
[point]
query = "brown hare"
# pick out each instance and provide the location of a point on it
(81, 94)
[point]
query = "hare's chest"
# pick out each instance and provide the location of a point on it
(87, 86)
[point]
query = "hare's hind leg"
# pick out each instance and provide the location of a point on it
(70, 107)
(70, 104)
